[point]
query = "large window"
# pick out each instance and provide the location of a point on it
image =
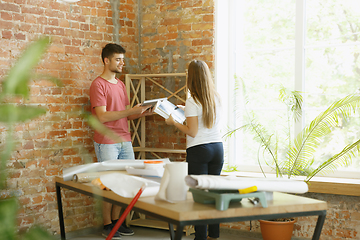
(309, 46)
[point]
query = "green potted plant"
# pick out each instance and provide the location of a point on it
(299, 153)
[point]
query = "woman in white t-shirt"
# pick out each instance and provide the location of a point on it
(204, 150)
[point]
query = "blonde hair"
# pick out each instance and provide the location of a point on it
(202, 89)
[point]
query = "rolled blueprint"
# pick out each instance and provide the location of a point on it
(127, 185)
(235, 183)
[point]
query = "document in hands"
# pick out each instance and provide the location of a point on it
(165, 108)
(152, 102)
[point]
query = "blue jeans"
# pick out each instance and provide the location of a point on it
(205, 159)
(105, 152)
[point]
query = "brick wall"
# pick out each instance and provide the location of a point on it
(176, 32)
(342, 219)
(60, 139)
(172, 32)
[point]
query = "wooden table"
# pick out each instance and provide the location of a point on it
(191, 213)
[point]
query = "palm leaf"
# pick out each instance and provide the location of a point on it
(230, 133)
(258, 159)
(343, 158)
(11, 113)
(101, 128)
(265, 141)
(50, 78)
(309, 139)
(293, 99)
(37, 233)
(5, 154)
(8, 211)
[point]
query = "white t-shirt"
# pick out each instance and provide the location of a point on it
(204, 134)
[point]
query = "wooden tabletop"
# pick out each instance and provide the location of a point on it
(190, 210)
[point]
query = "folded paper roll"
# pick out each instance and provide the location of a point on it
(88, 177)
(235, 183)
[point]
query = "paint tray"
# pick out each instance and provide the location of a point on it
(222, 198)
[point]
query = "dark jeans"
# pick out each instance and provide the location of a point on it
(205, 159)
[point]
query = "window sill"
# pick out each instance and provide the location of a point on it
(327, 185)
(339, 186)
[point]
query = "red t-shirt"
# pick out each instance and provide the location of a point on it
(115, 98)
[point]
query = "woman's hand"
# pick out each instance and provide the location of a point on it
(190, 129)
(182, 107)
(170, 120)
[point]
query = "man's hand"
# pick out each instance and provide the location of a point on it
(138, 109)
(149, 111)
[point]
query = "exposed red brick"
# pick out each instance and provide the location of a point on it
(56, 134)
(52, 172)
(6, 34)
(202, 42)
(208, 18)
(203, 26)
(20, 36)
(32, 10)
(54, 31)
(5, 25)
(171, 21)
(53, 21)
(6, 16)
(37, 199)
(9, 7)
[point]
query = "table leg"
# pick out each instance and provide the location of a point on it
(179, 232)
(60, 211)
(319, 225)
(172, 232)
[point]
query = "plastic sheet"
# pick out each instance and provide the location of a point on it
(127, 185)
(111, 165)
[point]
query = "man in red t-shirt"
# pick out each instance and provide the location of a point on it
(109, 103)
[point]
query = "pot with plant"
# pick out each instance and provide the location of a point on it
(296, 158)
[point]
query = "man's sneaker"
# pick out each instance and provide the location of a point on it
(124, 230)
(107, 229)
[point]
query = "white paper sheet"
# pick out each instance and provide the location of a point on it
(152, 172)
(111, 165)
(234, 183)
(128, 186)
